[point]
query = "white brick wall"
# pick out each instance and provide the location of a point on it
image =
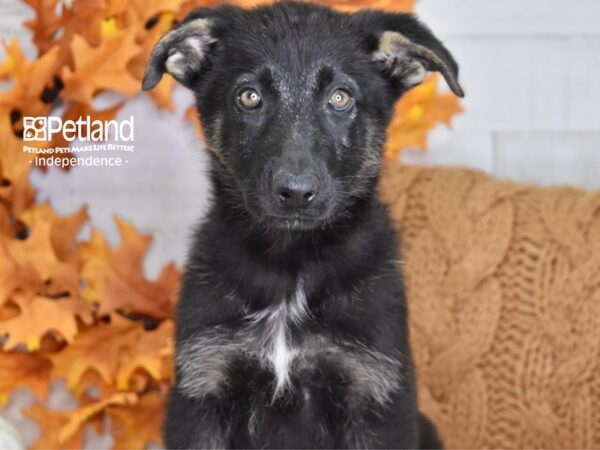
(531, 72)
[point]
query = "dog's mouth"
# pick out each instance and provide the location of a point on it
(295, 222)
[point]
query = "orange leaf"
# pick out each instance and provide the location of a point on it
(102, 67)
(40, 316)
(390, 5)
(95, 349)
(114, 351)
(39, 249)
(30, 78)
(82, 415)
(23, 369)
(45, 23)
(50, 423)
(149, 353)
(115, 279)
(134, 426)
(416, 114)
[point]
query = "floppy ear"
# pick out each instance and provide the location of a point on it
(406, 50)
(182, 52)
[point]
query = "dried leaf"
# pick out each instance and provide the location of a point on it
(418, 111)
(115, 278)
(78, 418)
(39, 316)
(44, 24)
(50, 423)
(30, 78)
(23, 369)
(134, 426)
(100, 68)
(114, 351)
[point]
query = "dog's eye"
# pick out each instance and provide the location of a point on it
(340, 100)
(249, 98)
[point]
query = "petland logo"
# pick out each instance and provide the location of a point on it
(43, 129)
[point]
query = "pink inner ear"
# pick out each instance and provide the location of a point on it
(195, 43)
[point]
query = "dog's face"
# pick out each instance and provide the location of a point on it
(295, 100)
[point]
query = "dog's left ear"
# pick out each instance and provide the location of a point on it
(182, 52)
(405, 50)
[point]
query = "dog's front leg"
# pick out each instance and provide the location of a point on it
(194, 423)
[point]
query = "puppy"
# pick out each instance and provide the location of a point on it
(292, 322)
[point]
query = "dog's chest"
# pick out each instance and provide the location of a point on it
(272, 331)
(283, 341)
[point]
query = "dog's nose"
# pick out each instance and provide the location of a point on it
(295, 192)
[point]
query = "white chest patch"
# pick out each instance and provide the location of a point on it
(279, 350)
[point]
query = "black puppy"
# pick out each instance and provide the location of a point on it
(292, 322)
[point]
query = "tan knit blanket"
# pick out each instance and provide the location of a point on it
(503, 283)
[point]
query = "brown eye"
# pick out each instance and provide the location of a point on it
(340, 100)
(249, 98)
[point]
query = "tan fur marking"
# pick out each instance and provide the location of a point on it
(391, 42)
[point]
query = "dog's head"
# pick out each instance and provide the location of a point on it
(295, 99)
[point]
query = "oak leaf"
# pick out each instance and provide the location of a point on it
(23, 369)
(114, 351)
(151, 353)
(97, 349)
(39, 248)
(50, 423)
(390, 5)
(134, 426)
(115, 278)
(30, 79)
(418, 111)
(79, 417)
(39, 316)
(63, 429)
(44, 24)
(100, 68)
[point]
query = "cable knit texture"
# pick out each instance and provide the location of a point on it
(503, 283)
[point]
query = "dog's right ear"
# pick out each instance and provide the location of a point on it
(182, 52)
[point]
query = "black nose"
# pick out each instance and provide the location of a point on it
(295, 192)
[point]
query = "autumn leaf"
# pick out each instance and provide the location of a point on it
(63, 429)
(50, 423)
(114, 351)
(44, 24)
(78, 418)
(95, 349)
(23, 369)
(39, 248)
(39, 316)
(418, 111)
(151, 353)
(134, 426)
(149, 9)
(115, 278)
(29, 78)
(390, 5)
(82, 18)
(100, 68)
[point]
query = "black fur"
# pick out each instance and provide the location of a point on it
(268, 249)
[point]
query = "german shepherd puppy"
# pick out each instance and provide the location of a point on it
(292, 322)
